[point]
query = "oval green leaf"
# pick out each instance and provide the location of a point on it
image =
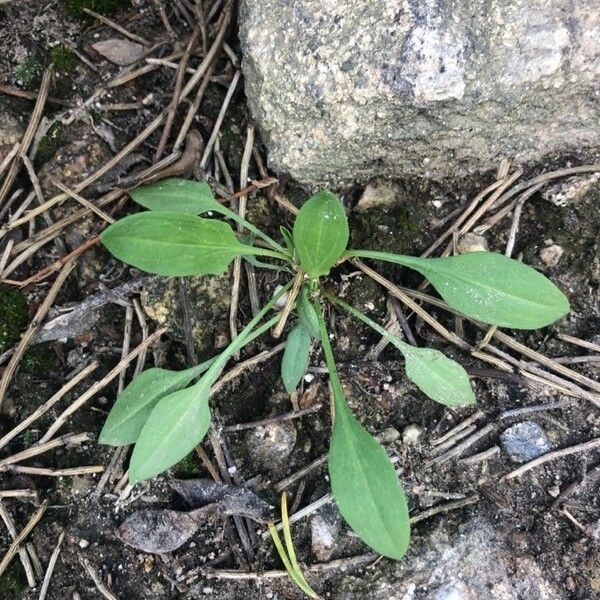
(437, 376)
(176, 425)
(320, 233)
(488, 287)
(135, 403)
(295, 357)
(177, 195)
(175, 244)
(366, 488)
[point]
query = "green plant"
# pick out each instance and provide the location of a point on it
(165, 416)
(63, 59)
(27, 71)
(287, 553)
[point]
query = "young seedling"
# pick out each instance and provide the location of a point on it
(166, 417)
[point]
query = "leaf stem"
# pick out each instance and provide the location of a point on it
(255, 230)
(336, 385)
(393, 339)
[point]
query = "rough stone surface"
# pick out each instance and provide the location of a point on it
(525, 441)
(347, 90)
(477, 563)
(270, 445)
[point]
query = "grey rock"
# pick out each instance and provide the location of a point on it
(525, 441)
(346, 90)
(475, 563)
(325, 526)
(270, 445)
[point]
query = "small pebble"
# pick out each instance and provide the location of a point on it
(411, 434)
(471, 242)
(551, 255)
(525, 441)
(83, 543)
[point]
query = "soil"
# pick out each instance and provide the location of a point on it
(521, 510)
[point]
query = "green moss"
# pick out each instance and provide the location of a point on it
(104, 7)
(49, 144)
(28, 71)
(13, 316)
(39, 361)
(13, 583)
(188, 467)
(405, 223)
(63, 59)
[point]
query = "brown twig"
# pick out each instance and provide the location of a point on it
(32, 330)
(28, 136)
(96, 387)
(16, 544)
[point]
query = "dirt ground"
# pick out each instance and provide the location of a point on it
(549, 515)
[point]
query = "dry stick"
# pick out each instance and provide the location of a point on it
(126, 345)
(246, 364)
(50, 569)
(96, 387)
(463, 216)
(141, 359)
(164, 19)
(47, 271)
(441, 448)
(171, 110)
(536, 462)
(219, 121)
(29, 134)
(458, 428)
(8, 158)
(578, 342)
(10, 525)
(460, 448)
(32, 330)
(340, 564)
(514, 228)
(145, 134)
(237, 264)
(97, 581)
(289, 304)
(46, 472)
(83, 201)
(117, 27)
(404, 298)
(16, 544)
(66, 440)
(29, 494)
(40, 197)
(193, 108)
(295, 414)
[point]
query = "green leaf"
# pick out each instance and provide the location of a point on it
(177, 195)
(135, 403)
(289, 240)
(320, 233)
(307, 314)
(366, 487)
(488, 287)
(295, 357)
(176, 244)
(441, 378)
(191, 197)
(176, 425)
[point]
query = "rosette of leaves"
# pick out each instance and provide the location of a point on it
(186, 231)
